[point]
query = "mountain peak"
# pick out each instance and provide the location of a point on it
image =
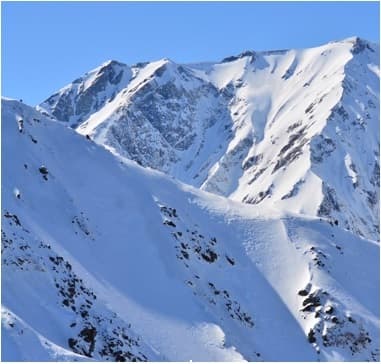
(247, 53)
(360, 44)
(112, 62)
(266, 121)
(357, 44)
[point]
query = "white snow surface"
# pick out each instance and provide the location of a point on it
(264, 128)
(103, 259)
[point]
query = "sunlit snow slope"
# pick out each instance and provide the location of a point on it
(297, 130)
(103, 259)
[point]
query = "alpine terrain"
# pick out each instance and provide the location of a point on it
(222, 211)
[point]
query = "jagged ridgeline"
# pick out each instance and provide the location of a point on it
(265, 128)
(105, 259)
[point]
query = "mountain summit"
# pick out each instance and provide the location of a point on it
(264, 128)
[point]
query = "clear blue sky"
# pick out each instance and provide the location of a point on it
(45, 45)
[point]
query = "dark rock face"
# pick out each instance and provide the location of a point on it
(88, 98)
(241, 55)
(322, 148)
(164, 109)
(126, 136)
(330, 202)
(360, 45)
(63, 109)
(294, 190)
(260, 197)
(252, 161)
(165, 119)
(79, 101)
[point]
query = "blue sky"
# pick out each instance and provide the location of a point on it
(45, 45)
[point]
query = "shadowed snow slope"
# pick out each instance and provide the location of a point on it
(264, 128)
(105, 260)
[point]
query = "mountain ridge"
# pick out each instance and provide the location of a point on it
(220, 126)
(121, 262)
(218, 211)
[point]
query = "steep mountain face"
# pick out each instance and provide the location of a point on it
(164, 118)
(89, 93)
(105, 260)
(264, 128)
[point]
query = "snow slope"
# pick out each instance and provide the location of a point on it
(265, 128)
(105, 260)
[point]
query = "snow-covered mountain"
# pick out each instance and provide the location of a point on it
(220, 211)
(297, 130)
(105, 260)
